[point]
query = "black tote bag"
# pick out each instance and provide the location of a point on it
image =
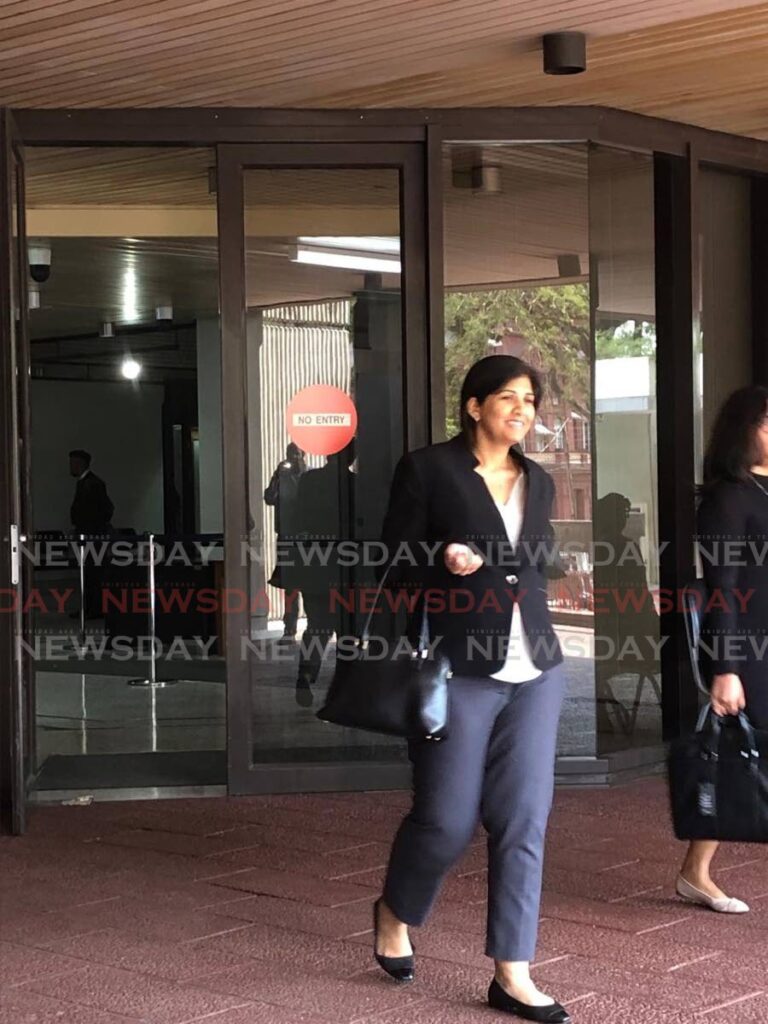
(405, 695)
(718, 781)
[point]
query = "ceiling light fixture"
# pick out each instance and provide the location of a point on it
(106, 330)
(565, 53)
(569, 265)
(477, 170)
(130, 369)
(388, 244)
(485, 177)
(369, 253)
(130, 311)
(164, 313)
(346, 261)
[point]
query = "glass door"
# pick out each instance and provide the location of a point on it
(16, 665)
(324, 387)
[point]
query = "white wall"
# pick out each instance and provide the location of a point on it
(121, 426)
(209, 423)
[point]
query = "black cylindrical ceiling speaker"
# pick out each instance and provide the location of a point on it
(565, 53)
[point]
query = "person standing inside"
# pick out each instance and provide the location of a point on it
(282, 495)
(91, 514)
(732, 531)
(91, 510)
(326, 513)
(488, 508)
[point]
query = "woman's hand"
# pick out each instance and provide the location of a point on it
(727, 694)
(462, 560)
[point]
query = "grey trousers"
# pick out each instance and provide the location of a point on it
(497, 766)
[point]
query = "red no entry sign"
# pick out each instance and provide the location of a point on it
(321, 420)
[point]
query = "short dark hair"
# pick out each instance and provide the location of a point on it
(486, 377)
(732, 447)
(79, 453)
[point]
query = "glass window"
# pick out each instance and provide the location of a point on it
(626, 565)
(124, 322)
(551, 258)
(517, 283)
(324, 335)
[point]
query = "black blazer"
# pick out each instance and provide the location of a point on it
(733, 546)
(91, 510)
(436, 499)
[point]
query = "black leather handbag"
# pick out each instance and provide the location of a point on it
(405, 694)
(718, 781)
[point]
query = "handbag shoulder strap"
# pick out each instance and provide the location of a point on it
(710, 727)
(366, 632)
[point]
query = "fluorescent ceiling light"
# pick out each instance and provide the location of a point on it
(130, 297)
(357, 243)
(347, 260)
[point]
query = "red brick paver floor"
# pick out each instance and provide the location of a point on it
(257, 911)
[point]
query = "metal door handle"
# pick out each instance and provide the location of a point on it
(15, 559)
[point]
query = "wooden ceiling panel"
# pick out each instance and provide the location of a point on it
(698, 60)
(317, 187)
(708, 71)
(87, 176)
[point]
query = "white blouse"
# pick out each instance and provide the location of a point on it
(519, 666)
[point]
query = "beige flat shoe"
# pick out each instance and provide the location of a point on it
(725, 905)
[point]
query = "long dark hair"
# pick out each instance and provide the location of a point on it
(733, 446)
(488, 376)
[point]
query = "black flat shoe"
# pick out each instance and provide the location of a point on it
(553, 1013)
(400, 968)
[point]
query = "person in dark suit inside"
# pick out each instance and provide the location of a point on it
(91, 514)
(324, 517)
(484, 510)
(282, 495)
(626, 612)
(732, 533)
(92, 509)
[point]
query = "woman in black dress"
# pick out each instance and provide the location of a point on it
(733, 543)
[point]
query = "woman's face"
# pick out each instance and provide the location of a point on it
(507, 415)
(762, 439)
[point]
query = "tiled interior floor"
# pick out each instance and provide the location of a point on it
(98, 713)
(257, 911)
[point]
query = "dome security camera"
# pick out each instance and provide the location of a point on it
(39, 256)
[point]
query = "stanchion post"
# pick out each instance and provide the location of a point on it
(81, 560)
(153, 681)
(152, 663)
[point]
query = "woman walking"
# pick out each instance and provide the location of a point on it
(488, 508)
(733, 532)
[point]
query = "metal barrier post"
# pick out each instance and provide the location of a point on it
(153, 681)
(81, 566)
